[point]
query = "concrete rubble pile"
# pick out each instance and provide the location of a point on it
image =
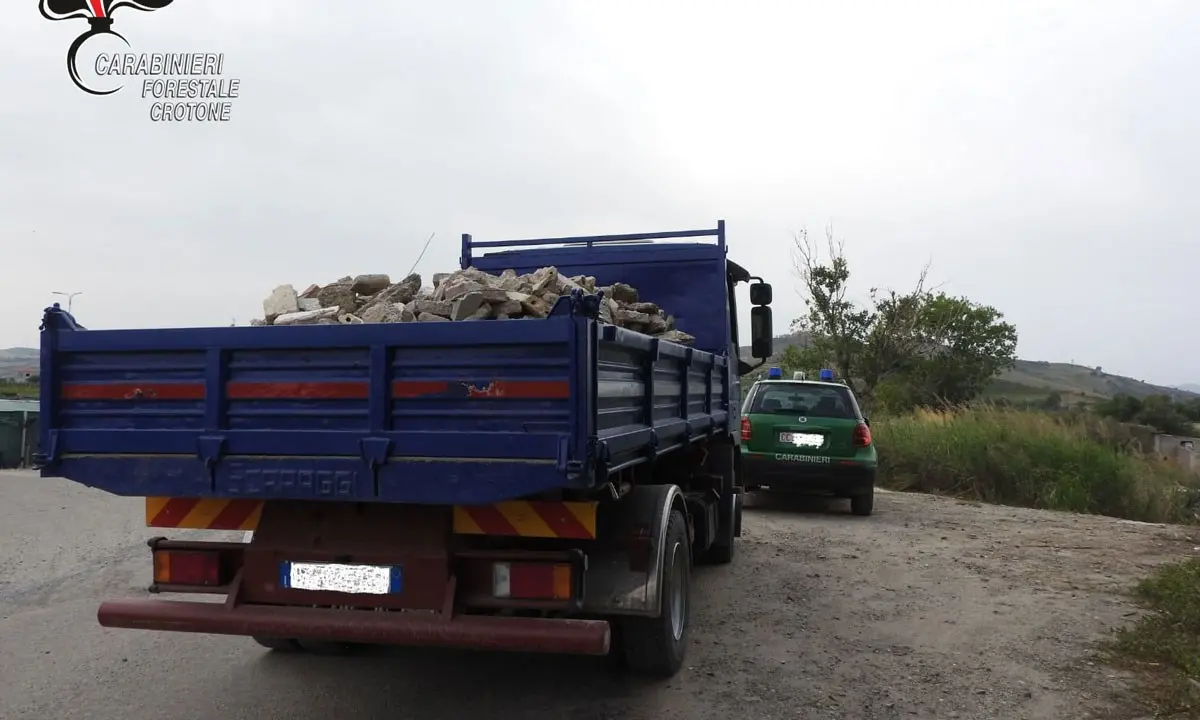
(463, 295)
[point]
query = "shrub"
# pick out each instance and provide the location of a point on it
(1167, 640)
(1031, 459)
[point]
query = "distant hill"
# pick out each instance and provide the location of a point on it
(1035, 379)
(16, 360)
(1189, 387)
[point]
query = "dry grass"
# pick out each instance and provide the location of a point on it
(1030, 459)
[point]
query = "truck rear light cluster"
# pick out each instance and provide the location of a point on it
(531, 581)
(187, 567)
(862, 435)
(746, 428)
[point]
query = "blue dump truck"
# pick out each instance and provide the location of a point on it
(537, 485)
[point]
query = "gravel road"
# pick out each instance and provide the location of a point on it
(931, 608)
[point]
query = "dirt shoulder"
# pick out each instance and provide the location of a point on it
(931, 608)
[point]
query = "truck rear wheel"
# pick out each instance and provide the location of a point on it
(656, 646)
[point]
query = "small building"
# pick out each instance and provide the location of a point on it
(18, 432)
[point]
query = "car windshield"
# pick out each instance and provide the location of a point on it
(805, 400)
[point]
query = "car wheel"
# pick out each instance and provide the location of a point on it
(863, 504)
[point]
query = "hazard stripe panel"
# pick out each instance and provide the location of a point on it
(568, 520)
(203, 514)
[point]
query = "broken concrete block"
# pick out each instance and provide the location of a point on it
(535, 307)
(305, 317)
(453, 289)
(370, 284)
(402, 292)
(678, 336)
(466, 305)
(623, 317)
(469, 294)
(623, 293)
(383, 313)
(608, 310)
(483, 313)
(545, 278)
(256, 322)
(338, 295)
(568, 285)
(644, 307)
(433, 307)
(656, 325)
(282, 301)
(485, 279)
(508, 308)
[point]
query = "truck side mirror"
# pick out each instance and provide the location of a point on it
(762, 338)
(760, 294)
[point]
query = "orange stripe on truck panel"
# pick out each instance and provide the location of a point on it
(522, 518)
(203, 514)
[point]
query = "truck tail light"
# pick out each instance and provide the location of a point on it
(746, 429)
(531, 581)
(862, 435)
(187, 567)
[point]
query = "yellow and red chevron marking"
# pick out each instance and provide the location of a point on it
(203, 514)
(570, 520)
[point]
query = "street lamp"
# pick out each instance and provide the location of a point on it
(70, 296)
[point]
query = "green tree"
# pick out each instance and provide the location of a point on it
(900, 349)
(836, 327)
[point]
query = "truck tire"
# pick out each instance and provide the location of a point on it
(656, 646)
(278, 644)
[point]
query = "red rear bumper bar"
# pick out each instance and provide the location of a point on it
(575, 637)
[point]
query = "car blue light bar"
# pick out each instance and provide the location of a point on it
(827, 374)
(774, 373)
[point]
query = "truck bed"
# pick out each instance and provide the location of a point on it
(466, 412)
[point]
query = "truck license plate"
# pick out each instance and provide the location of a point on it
(801, 439)
(338, 577)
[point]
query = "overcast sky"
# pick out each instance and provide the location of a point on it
(1044, 155)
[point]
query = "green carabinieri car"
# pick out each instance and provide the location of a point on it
(808, 436)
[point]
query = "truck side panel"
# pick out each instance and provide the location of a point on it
(469, 413)
(438, 413)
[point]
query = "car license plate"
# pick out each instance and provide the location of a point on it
(802, 439)
(338, 577)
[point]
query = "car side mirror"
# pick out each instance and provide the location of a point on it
(760, 294)
(762, 338)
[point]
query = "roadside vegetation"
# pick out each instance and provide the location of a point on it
(1165, 644)
(1030, 459)
(18, 390)
(920, 362)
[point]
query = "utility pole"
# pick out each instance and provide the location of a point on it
(70, 296)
